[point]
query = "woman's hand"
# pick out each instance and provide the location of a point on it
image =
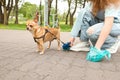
(72, 41)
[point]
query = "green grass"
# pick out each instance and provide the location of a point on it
(64, 28)
(13, 26)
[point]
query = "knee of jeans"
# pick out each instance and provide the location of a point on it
(90, 31)
(92, 35)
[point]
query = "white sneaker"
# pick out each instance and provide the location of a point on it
(114, 48)
(82, 46)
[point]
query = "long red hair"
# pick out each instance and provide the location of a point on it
(102, 4)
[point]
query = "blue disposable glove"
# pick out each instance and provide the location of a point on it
(96, 55)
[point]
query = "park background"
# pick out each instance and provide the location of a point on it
(18, 59)
(15, 13)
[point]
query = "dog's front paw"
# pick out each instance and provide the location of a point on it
(48, 47)
(41, 52)
(58, 49)
(37, 50)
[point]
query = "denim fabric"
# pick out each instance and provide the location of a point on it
(77, 25)
(112, 37)
(85, 20)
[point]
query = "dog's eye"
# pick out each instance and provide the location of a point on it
(31, 26)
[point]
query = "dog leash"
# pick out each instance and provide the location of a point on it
(65, 46)
(54, 36)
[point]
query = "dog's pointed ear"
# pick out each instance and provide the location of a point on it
(33, 22)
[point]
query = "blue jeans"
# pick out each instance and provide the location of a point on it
(85, 20)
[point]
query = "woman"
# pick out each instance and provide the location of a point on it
(99, 22)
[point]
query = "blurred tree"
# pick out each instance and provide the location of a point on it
(49, 9)
(1, 14)
(56, 9)
(82, 3)
(72, 13)
(69, 5)
(40, 15)
(16, 11)
(72, 6)
(5, 9)
(28, 9)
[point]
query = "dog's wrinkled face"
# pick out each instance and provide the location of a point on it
(30, 25)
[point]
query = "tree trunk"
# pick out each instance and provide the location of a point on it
(40, 12)
(72, 14)
(6, 10)
(10, 4)
(71, 20)
(1, 14)
(84, 3)
(49, 9)
(56, 10)
(1, 18)
(16, 11)
(5, 13)
(66, 22)
(69, 5)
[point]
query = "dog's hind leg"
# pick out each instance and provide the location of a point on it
(58, 44)
(41, 47)
(49, 45)
(38, 50)
(42, 51)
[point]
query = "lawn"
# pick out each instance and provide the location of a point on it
(13, 26)
(64, 28)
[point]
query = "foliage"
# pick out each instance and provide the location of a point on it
(28, 9)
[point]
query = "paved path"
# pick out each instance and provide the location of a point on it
(19, 61)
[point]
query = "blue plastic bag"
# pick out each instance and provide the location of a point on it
(96, 55)
(66, 46)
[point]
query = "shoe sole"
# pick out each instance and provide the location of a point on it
(84, 46)
(114, 48)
